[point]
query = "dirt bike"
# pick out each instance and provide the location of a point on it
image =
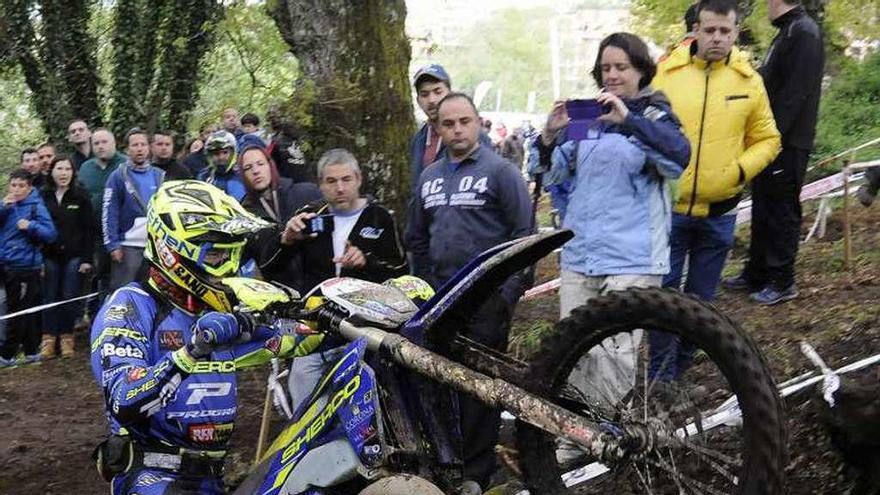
(366, 419)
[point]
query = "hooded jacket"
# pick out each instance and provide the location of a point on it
(20, 249)
(276, 203)
(375, 234)
(619, 207)
(726, 116)
(124, 213)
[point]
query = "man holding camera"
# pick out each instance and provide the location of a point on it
(343, 235)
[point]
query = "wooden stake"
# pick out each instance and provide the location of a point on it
(264, 425)
(847, 240)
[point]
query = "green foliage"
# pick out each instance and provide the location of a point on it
(849, 114)
(50, 43)
(858, 19)
(512, 50)
(249, 66)
(21, 128)
(157, 50)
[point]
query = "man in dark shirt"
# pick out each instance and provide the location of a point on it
(470, 200)
(792, 73)
(162, 151)
(80, 138)
(30, 162)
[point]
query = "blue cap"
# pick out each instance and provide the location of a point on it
(435, 71)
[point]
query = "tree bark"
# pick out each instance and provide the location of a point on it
(354, 91)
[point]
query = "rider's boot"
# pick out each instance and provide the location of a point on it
(47, 347)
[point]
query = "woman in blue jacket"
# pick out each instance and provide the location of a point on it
(619, 205)
(69, 257)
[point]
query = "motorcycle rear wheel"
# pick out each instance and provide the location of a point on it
(748, 459)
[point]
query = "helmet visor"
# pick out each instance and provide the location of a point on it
(220, 260)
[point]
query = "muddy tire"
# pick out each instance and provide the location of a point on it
(761, 438)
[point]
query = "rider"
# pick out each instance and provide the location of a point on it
(220, 148)
(165, 349)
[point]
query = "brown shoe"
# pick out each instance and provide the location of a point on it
(67, 345)
(47, 347)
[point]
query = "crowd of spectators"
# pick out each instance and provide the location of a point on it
(75, 223)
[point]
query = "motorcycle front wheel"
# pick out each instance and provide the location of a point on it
(702, 417)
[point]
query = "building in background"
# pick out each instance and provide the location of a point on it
(575, 29)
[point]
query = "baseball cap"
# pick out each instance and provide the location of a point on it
(435, 71)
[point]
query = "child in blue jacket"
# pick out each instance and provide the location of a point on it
(25, 225)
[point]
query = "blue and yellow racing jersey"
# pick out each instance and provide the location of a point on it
(154, 390)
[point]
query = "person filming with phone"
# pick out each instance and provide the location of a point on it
(344, 234)
(618, 152)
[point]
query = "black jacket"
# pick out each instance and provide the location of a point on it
(291, 197)
(262, 246)
(792, 73)
(174, 170)
(195, 162)
(286, 151)
(75, 223)
(375, 234)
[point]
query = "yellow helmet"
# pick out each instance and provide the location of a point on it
(195, 235)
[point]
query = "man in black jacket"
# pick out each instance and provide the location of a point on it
(360, 241)
(792, 74)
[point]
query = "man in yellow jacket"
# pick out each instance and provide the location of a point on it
(726, 115)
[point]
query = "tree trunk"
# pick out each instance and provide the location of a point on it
(354, 91)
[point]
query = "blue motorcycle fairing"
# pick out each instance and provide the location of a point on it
(350, 388)
(503, 259)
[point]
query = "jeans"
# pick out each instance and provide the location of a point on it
(480, 424)
(704, 242)
(99, 281)
(126, 271)
(61, 282)
(307, 371)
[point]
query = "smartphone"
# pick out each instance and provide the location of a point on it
(319, 224)
(584, 120)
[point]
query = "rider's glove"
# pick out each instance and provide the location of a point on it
(213, 330)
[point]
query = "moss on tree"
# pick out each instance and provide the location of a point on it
(354, 91)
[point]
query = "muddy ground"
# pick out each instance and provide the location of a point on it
(51, 414)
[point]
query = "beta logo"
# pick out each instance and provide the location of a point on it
(126, 351)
